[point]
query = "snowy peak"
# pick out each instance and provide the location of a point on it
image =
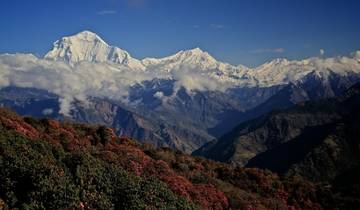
(196, 50)
(196, 53)
(88, 46)
(84, 46)
(277, 62)
(195, 58)
(87, 36)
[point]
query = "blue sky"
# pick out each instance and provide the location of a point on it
(246, 32)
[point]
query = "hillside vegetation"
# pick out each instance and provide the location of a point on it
(50, 165)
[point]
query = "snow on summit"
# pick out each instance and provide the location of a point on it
(88, 46)
(195, 57)
(85, 65)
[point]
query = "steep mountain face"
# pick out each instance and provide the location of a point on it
(318, 140)
(147, 128)
(183, 101)
(311, 88)
(322, 153)
(254, 137)
(77, 166)
(87, 46)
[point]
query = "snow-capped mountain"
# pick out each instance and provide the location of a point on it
(195, 57)
(198, 63)
(182, 101)
(87, 46)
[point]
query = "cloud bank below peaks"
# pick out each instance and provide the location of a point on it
(78, 82)
(84, 65)
(68, 82)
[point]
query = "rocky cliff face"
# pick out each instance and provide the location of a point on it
(161, 131)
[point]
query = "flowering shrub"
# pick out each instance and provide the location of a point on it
(75, 166)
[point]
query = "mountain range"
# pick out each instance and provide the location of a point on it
(182, 101)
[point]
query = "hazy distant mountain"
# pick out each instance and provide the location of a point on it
(313, 139)
(183, 101)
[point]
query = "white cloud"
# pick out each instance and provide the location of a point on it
(85, 79)
(194, 80)
(159, 95)
(322, 52)
(47, 111)
(356, 55)
(112, 81)
(70, 83)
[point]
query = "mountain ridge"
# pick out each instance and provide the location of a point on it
(317, 139)
(182, 101)
(69, 49)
